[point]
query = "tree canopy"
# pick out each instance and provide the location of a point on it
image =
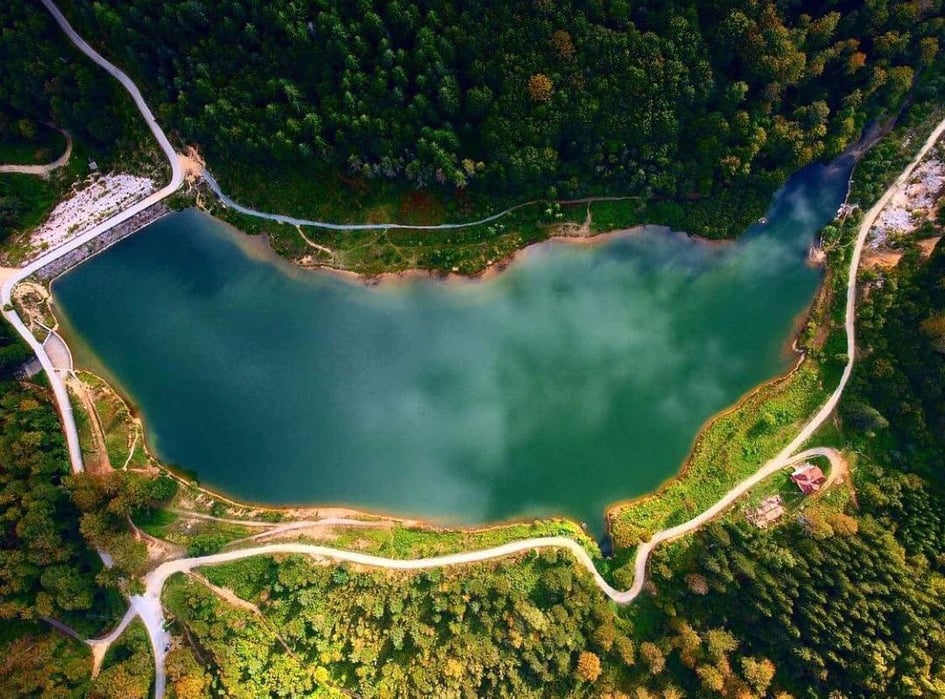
(678, 98)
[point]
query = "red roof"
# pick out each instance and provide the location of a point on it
(808, 478)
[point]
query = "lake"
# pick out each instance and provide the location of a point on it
(578, 377)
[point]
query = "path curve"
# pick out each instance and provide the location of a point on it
(292, 220)
(42, 170)
(148, 605)
(177, 178)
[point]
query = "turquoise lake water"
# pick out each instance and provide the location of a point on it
(578, 377)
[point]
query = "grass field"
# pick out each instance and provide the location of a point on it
(118, 425)
(83, 423)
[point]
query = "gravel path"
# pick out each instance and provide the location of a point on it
(177, 178)
(42, 170)
(148, 606)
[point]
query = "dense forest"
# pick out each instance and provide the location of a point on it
(43, 79)
(527, 97)
(45, 567)
(841, 609)
(897, 398)
(49, 523)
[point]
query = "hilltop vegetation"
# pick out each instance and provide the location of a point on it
(348, 102)
(45, 82)
(49, 522)
(44, 79)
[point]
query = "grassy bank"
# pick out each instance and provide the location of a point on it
(123, 439)
(474, 249)
(84, 426)
(322, 193)
(394, 540)
(729, 449)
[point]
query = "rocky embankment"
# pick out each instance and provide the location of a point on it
(107, 239)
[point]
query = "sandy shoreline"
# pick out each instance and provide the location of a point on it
(258, 246)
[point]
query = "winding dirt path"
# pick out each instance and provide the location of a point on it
(177, 178)
(42, 170)
(148, 605)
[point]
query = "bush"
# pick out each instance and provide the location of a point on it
(205, 544)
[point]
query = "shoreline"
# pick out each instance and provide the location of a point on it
(712, 419)
(259, 246)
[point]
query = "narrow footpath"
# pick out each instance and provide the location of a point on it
(11, 280)
(41, 170)
(148, 605)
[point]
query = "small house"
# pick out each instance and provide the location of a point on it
(768, 511)
(808, 478)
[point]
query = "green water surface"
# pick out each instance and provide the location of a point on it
(578, 377)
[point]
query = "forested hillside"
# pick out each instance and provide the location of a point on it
(48, 519)
(43, 79)
(45, 84)
(527, 97)
(897, 399)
